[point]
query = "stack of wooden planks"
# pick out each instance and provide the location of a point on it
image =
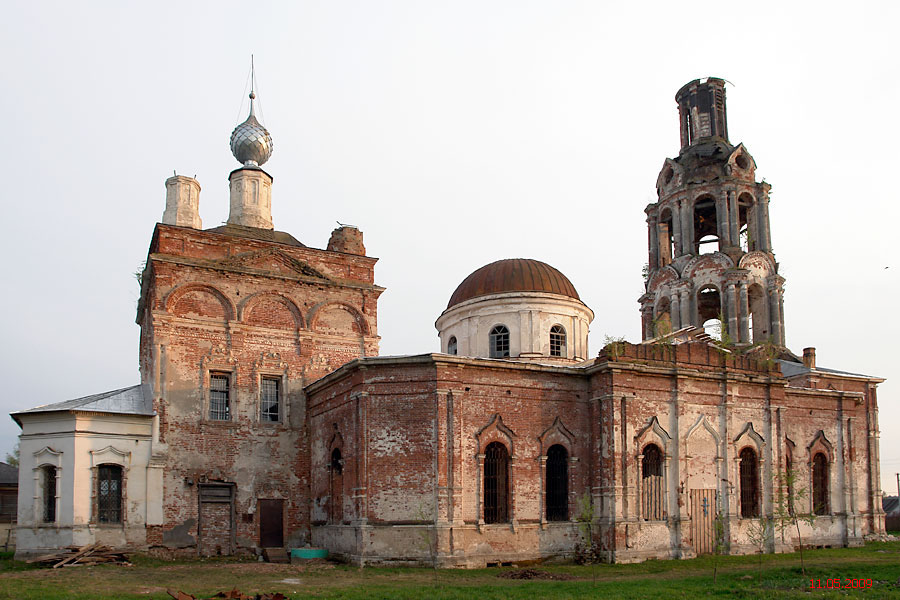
(76, 556)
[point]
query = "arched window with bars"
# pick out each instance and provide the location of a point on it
(820, 484)
(749, 483)
(109, 494)
(652, 484)
(452, 345)
(557, 483)
(496, 483)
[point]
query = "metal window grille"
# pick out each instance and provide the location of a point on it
(499, 342)
(820, 484)
(451, 346)
(219, 406)
(749, 484)
(557, 341)
(109, 494)
(270, 400)
(496, 483)
(49, 494)
(557, 484)
(651, 484)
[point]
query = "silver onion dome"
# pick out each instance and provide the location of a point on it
(251, 143)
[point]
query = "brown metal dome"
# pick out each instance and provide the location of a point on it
(513, 275)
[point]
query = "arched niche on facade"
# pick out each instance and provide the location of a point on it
(271, 309)
(337, 318)
(194, 300)
(702, 455)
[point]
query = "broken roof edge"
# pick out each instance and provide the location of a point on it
(799, 369)
(133, 400)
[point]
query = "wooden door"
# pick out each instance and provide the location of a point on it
(703, 521)
(271, 526)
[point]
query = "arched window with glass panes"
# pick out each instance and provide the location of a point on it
(557, 341)
(499, 340)
(820, 484)
(109, 494)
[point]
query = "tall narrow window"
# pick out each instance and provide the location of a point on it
(337, 486)
(219, 402)
(451, 345)
(557, 483)
(499, 342)
(789, 477)
(557, 341)
(496, 483)
(749, 483)
(109, 494)
(651, 484)
(48, 480)
(270, 399)
(820, 484)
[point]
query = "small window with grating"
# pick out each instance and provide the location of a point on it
(48, 479)
(557, 341)
(270, 400)
(451, 345)
(499, 338)
(219, 401)
(109, 494)
(749, 484)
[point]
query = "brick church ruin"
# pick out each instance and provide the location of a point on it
(266, 418)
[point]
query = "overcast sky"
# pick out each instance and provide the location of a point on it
(453, 134)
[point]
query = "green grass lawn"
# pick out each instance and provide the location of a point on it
(739, 577)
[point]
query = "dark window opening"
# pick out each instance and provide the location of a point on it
(820, 484)
(499, 339)
(557, 483)
(109, 494)
(789, 482)
(706, 229)
(270, 399)
(557, 341)
(496, 483)
(219, 405)
(49, 476)
(451, 345)
(651, 484)
(749, 483)
(337, 486)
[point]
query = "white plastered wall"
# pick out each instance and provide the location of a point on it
(76, 443)
(528, 316)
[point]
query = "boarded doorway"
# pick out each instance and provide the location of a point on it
(215, 529)
(271, 526)
(703, 521)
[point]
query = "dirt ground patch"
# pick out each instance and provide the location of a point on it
(535, 574)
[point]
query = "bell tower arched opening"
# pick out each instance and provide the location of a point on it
(709, 310)
(705, 228)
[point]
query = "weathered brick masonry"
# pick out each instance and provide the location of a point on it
(222, 303)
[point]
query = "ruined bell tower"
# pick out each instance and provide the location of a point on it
(710, 247)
